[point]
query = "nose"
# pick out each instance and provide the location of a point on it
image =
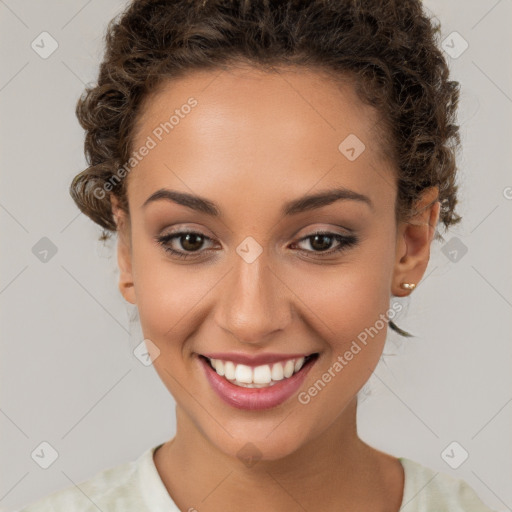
(254, 302)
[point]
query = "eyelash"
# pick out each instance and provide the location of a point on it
(345, 241)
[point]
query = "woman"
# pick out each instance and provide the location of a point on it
(275, 173)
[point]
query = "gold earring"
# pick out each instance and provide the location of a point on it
(408, 286)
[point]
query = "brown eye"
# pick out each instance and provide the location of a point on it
(191, 241)
(183, 244)
(321, 242)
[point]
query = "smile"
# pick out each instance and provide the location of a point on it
(259, 376)
(252, 386)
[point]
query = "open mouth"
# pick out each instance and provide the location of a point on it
(262, 376)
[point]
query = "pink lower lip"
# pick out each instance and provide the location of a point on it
(255, 398)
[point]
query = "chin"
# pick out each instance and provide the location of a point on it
(267, 441)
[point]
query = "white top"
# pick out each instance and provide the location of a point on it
(136, 486)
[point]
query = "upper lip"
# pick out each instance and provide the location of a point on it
(254, 360)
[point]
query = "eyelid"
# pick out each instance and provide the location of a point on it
(337, 230)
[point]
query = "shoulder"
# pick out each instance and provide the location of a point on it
(428, 490)
(114, 489)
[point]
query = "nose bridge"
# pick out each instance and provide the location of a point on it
(253, 304)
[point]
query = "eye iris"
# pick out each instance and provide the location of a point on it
(323, 246)
(185, 241)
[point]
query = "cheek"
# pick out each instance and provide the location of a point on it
(349, 304)
(349, 297)
(347, 317)
(166, 292)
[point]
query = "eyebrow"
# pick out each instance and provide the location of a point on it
(302, 204)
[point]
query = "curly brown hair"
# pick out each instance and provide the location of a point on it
(388, 49)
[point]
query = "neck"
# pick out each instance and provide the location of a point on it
(339, 466)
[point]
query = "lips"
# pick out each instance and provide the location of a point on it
(264, 394)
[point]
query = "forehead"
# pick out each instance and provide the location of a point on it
(269, 133)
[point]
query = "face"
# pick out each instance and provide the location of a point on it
(265, 274)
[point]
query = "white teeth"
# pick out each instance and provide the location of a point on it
(219, 366)
(262, 374)
(288, 368)
(277, 372)
(229, 370)
(298, 364)
(243, 373)
(257, 377)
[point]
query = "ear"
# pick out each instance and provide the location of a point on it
(413, 242)
(124, 256)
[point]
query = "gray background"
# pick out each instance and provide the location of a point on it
(68, 375)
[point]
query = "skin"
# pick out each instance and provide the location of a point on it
(255, 141)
